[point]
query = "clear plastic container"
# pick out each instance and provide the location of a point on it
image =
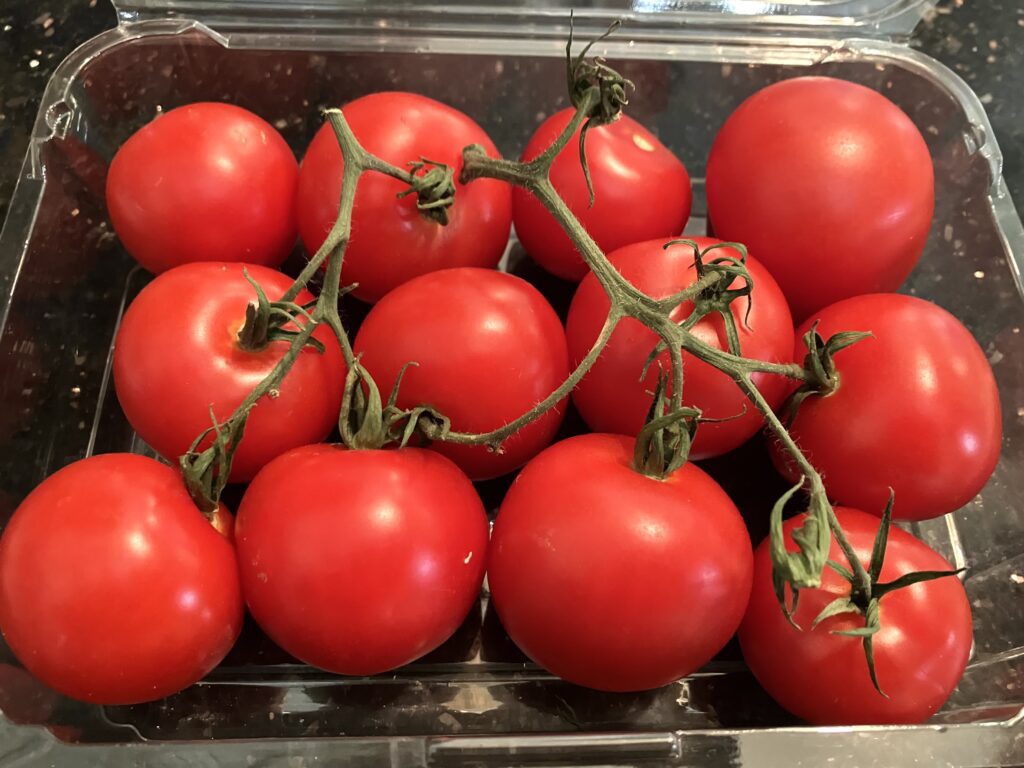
(64, 281)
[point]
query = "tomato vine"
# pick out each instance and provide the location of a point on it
(598, 94)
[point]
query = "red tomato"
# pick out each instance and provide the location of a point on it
(613, 398)
(829, 183)
(920, 652)
(367, 567)
(488, 346)
(392, 242)
(641, 190)
(177, 354)
(204, 182)
(114, 589)
(916, 409)
(612, 579)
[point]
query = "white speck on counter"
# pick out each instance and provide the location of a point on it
(979, 274)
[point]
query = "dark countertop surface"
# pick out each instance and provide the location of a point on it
(982, 40)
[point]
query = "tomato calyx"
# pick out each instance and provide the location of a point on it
(800, 569)
(820, 374)
(584, 77)
(433, 183)
(267, 321)
(206, 471)
(582, 74)
(865, 596)
(712, 292)
(368, 423)
(663, 444)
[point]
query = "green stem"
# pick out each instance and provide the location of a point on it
(200, 467)
(497, 436)
(627, 301)
(689, 293)
(728, 362)
(816, 486)
(676, 355)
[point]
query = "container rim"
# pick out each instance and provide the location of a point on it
(975, 744)
(876, 18)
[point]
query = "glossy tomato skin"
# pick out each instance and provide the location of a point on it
(358, 562)
(204, 182)
(177, 354)
(613, 398)
(614, 580)
(829, 183)
(916, 409)
(488, 346)
(920, 652)
(114, 588)
(392, 242)
(641, 191)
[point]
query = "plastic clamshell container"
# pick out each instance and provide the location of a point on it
(65, 280)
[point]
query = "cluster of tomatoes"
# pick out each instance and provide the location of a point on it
(360, 561)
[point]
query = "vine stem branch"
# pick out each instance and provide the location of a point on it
(206, 471)
(628, 301)
(817, 488)
(495, 437)
(624, 298)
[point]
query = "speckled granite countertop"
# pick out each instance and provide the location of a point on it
(982, 40)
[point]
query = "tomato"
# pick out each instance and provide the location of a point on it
(392, 242)
(920, 652)
(114, 589)
(612, 397)
(829, 183)
(612, 579)
(204, 182)
(641, 190)
(488, 347)
(916, 409)
(177, 354)
(360, 561)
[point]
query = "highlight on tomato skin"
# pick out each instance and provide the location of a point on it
(829, 183)
(916, 409)
(392, 242)
(641, 191)
(178, 345)
(920, 651)
(114, 588)
(369, 568)
(614, 396)
(487, 347)
(204, 182)
(614, 580)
